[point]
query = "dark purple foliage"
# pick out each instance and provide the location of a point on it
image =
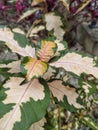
(51, 4)
(19, 6)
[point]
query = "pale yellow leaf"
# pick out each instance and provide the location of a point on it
(54, 22)
(47, 50)
(59, 91)
(77, 64)
(35, 68)
(36, 2)
(13, 66)
(38, 125)
(8, 37)
(19, 94)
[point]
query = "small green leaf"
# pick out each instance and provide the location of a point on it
(21, 39)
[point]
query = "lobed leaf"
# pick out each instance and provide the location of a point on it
(77, 64)
(47, 50)
(30, 99)
(33, 67)
(54, 22)
(59, 91)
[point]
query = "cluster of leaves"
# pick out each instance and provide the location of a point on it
(40, 75)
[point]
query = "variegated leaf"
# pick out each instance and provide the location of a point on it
(47, 50)
(30, 99)
(33, 68)
(59, 91)
(13, 66)
(77, 64)
(8, 37)
(28, 13)
(35, 30)
(90, 122)
(61, 46)
(54, 22)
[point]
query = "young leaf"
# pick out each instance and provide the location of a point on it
(8, 37)
(30, 99)
(33, 68)
(13, 66)
(59, 91)
(47, 50)
(54, 22)
(77, 64)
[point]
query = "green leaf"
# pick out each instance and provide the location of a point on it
(54, 22)
(21, 39)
